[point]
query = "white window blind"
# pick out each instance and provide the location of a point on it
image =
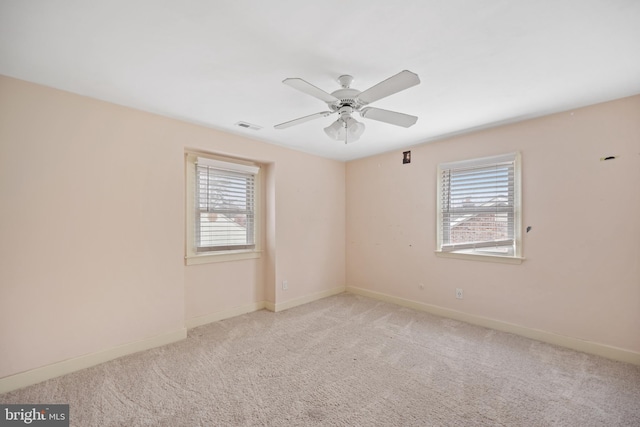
(224, 205)
(477, 202)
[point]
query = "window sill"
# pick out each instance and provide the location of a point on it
(221, 257)
(483, 258)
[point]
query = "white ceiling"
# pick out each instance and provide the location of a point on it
(481, 62)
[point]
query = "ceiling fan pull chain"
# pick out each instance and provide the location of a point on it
(346, 133)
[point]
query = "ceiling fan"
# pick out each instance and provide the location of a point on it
(346, 101)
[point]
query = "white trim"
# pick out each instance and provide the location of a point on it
(57, 369)
(235, 166)
(517, 257)
(206, 258)
(470, 163)
(191, 256)
(304, 300)
(224, 314)
(590, 347)
(479, 257)
(248, 308)
(64, 367)
(517, 213)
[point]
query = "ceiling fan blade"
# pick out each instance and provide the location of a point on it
(401, 81)
(309, 89)
(303, 119)
(391, 117)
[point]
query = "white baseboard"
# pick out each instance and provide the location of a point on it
(237, 311)
(304, 300)
(57, 369)
(275, 307)
(226, 314)
(44, 373)
(603, 350)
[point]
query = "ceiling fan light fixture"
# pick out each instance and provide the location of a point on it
(354, 129)
(346, 129)
(336, 130)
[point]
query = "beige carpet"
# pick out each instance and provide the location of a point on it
(348, 361)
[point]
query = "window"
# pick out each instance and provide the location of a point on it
(222, 208)
(479, 207)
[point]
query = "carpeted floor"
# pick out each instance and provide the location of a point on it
(348, 360)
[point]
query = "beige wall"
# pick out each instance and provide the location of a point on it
(92, 227)
(581, 276)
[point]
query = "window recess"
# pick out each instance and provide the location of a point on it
(479, 207)
(222, 207)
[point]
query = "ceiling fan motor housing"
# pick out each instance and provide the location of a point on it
(346, 97)
(345, 81)
(345, 111)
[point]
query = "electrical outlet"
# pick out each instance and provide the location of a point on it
(285, 285)
(458, 293)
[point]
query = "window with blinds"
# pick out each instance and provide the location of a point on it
(478, 206)
(225, 205)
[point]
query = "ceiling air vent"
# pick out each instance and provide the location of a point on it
(246, 125)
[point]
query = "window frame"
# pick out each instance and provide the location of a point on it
(192, 255)
(471, 253)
